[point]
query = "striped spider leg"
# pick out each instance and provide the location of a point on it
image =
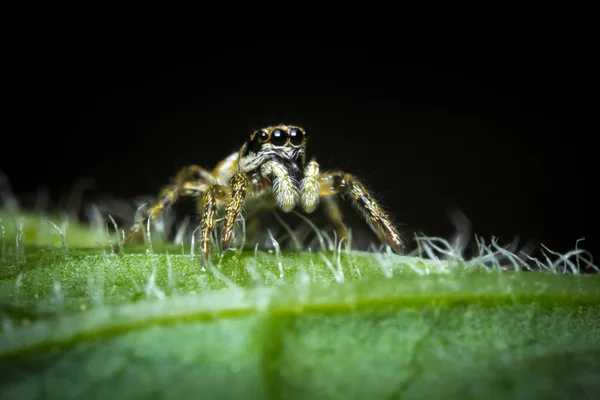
(192, 181)
(341, 183)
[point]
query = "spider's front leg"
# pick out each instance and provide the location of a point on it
(332, 183)
(239, 188)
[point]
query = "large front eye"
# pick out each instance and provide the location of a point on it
(296, 136)
(278, 137)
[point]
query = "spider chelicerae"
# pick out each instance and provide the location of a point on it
(269, 170)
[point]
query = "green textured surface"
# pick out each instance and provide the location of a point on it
(78, 321)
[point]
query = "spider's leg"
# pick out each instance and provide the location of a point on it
(193, 173)
(208, 217)
(343, 183)
(309, 188)
(227, 165)
(167, 197)
(332, 210)
(239, 189)
(256, 206)
(189, 181)
(283, 185)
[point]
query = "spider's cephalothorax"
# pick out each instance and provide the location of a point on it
(276, 153)
(271, 164)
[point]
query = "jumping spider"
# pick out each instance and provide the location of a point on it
(270, 166)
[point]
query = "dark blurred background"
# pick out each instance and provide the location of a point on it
(501, 133)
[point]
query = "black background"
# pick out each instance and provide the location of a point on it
(501, 131)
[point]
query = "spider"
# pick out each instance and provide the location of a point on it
(270, 170)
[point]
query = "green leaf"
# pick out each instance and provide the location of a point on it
(79, 321)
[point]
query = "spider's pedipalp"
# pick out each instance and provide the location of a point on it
(309, 188)
(284, 185)
(343, 183)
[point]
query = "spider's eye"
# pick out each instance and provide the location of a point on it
(278, 137)
(263, 135)
(296, 136)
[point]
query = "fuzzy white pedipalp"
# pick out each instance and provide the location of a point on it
(310, 187)
(284, 187)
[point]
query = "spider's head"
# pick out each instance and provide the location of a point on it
(283, 142)
(278, 137)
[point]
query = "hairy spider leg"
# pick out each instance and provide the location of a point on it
(241, 186)
(342, 183)
(213, 194)
(193, 173)
(332, 210)
(167, 197)
(227, 166)
(239, 189)
(188, 182)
